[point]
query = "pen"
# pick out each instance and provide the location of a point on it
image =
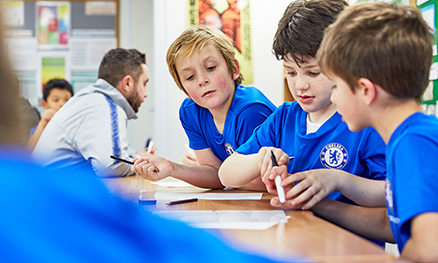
(182, 201)
(280, 189)
(151, 143)
(120, 159)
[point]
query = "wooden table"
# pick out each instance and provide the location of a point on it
(304, 234)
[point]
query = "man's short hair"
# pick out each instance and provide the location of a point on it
(301, 29)
(391, 45)
(56, 83)
(119, 62)
(193, 40)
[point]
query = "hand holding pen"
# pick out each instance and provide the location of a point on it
(153, 168)
(265, 165)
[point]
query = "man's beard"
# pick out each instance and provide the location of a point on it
(134, 101)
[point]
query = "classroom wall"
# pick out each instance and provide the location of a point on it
(151, 26)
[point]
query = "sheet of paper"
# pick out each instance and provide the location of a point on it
(208, 196)
(174, 184)
(228, 219)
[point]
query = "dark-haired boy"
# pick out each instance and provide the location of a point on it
(56, 93)
(379, 56)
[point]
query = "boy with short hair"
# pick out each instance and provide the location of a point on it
(379, 56)
(307, 134)
(219, 114)
(56, 93)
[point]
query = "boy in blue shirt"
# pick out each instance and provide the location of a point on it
(307, 134)
(56, 93)
(219, 114)
(379, 56)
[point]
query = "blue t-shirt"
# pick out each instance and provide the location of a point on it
(249, 109)
(54, 215)
(332, 146)
(32, 131)
(412, 184)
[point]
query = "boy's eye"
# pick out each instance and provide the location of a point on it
(211, 68)
(291, 73)
(334, 87)
(190, 77)
(314, 74)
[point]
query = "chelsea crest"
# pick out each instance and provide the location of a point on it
(229, 148)
(334, 156)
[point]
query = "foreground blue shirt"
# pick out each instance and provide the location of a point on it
(412, 184)
(249, 109)
(69, 216)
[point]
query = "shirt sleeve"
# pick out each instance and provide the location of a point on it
(98, 140)
(249, 119)
(373, 155)
(263, 135)
(415, 177)
(190, 120)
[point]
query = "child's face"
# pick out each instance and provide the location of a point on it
(56, 99)
(348, 104)
(206, 78)
(309, 87)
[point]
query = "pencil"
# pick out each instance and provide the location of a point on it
(120, 159)
(182, 201)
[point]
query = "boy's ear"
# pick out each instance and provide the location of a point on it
(44, 104)
(368, 90)
(236, 74)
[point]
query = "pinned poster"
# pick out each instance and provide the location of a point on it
(55, 64)
(53, 24)
(234, 19)
(428, 13)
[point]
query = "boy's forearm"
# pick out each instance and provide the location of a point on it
(363, 191)
(200, 176)
(369, 222)
(239, 170)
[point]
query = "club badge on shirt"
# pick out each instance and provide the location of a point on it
(229, 148)
(334, 156)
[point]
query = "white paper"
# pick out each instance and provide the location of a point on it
(13, 13)
(428, 14)
(87, 53)
(420, 2)
(428, 94)
(23, 53)
(208, 196)
(173, 184)
(433, 74)
(228, 219)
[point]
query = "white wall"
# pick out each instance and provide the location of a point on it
(151, 26)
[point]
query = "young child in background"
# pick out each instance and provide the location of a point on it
(56, 93)
(308, 135)
(379, 57)
(219, 114)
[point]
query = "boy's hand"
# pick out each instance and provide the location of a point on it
(47, 116)
(153, 168)
(265, 165)
(269, 180)
(314, 186)
(145, 153)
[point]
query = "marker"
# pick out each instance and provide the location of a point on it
(151, 144)
(280, 189)
(120, 159)
(182, 201)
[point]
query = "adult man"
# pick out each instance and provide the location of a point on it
(92, 125)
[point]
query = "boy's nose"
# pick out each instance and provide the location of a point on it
(301, 84)
(203, 81)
